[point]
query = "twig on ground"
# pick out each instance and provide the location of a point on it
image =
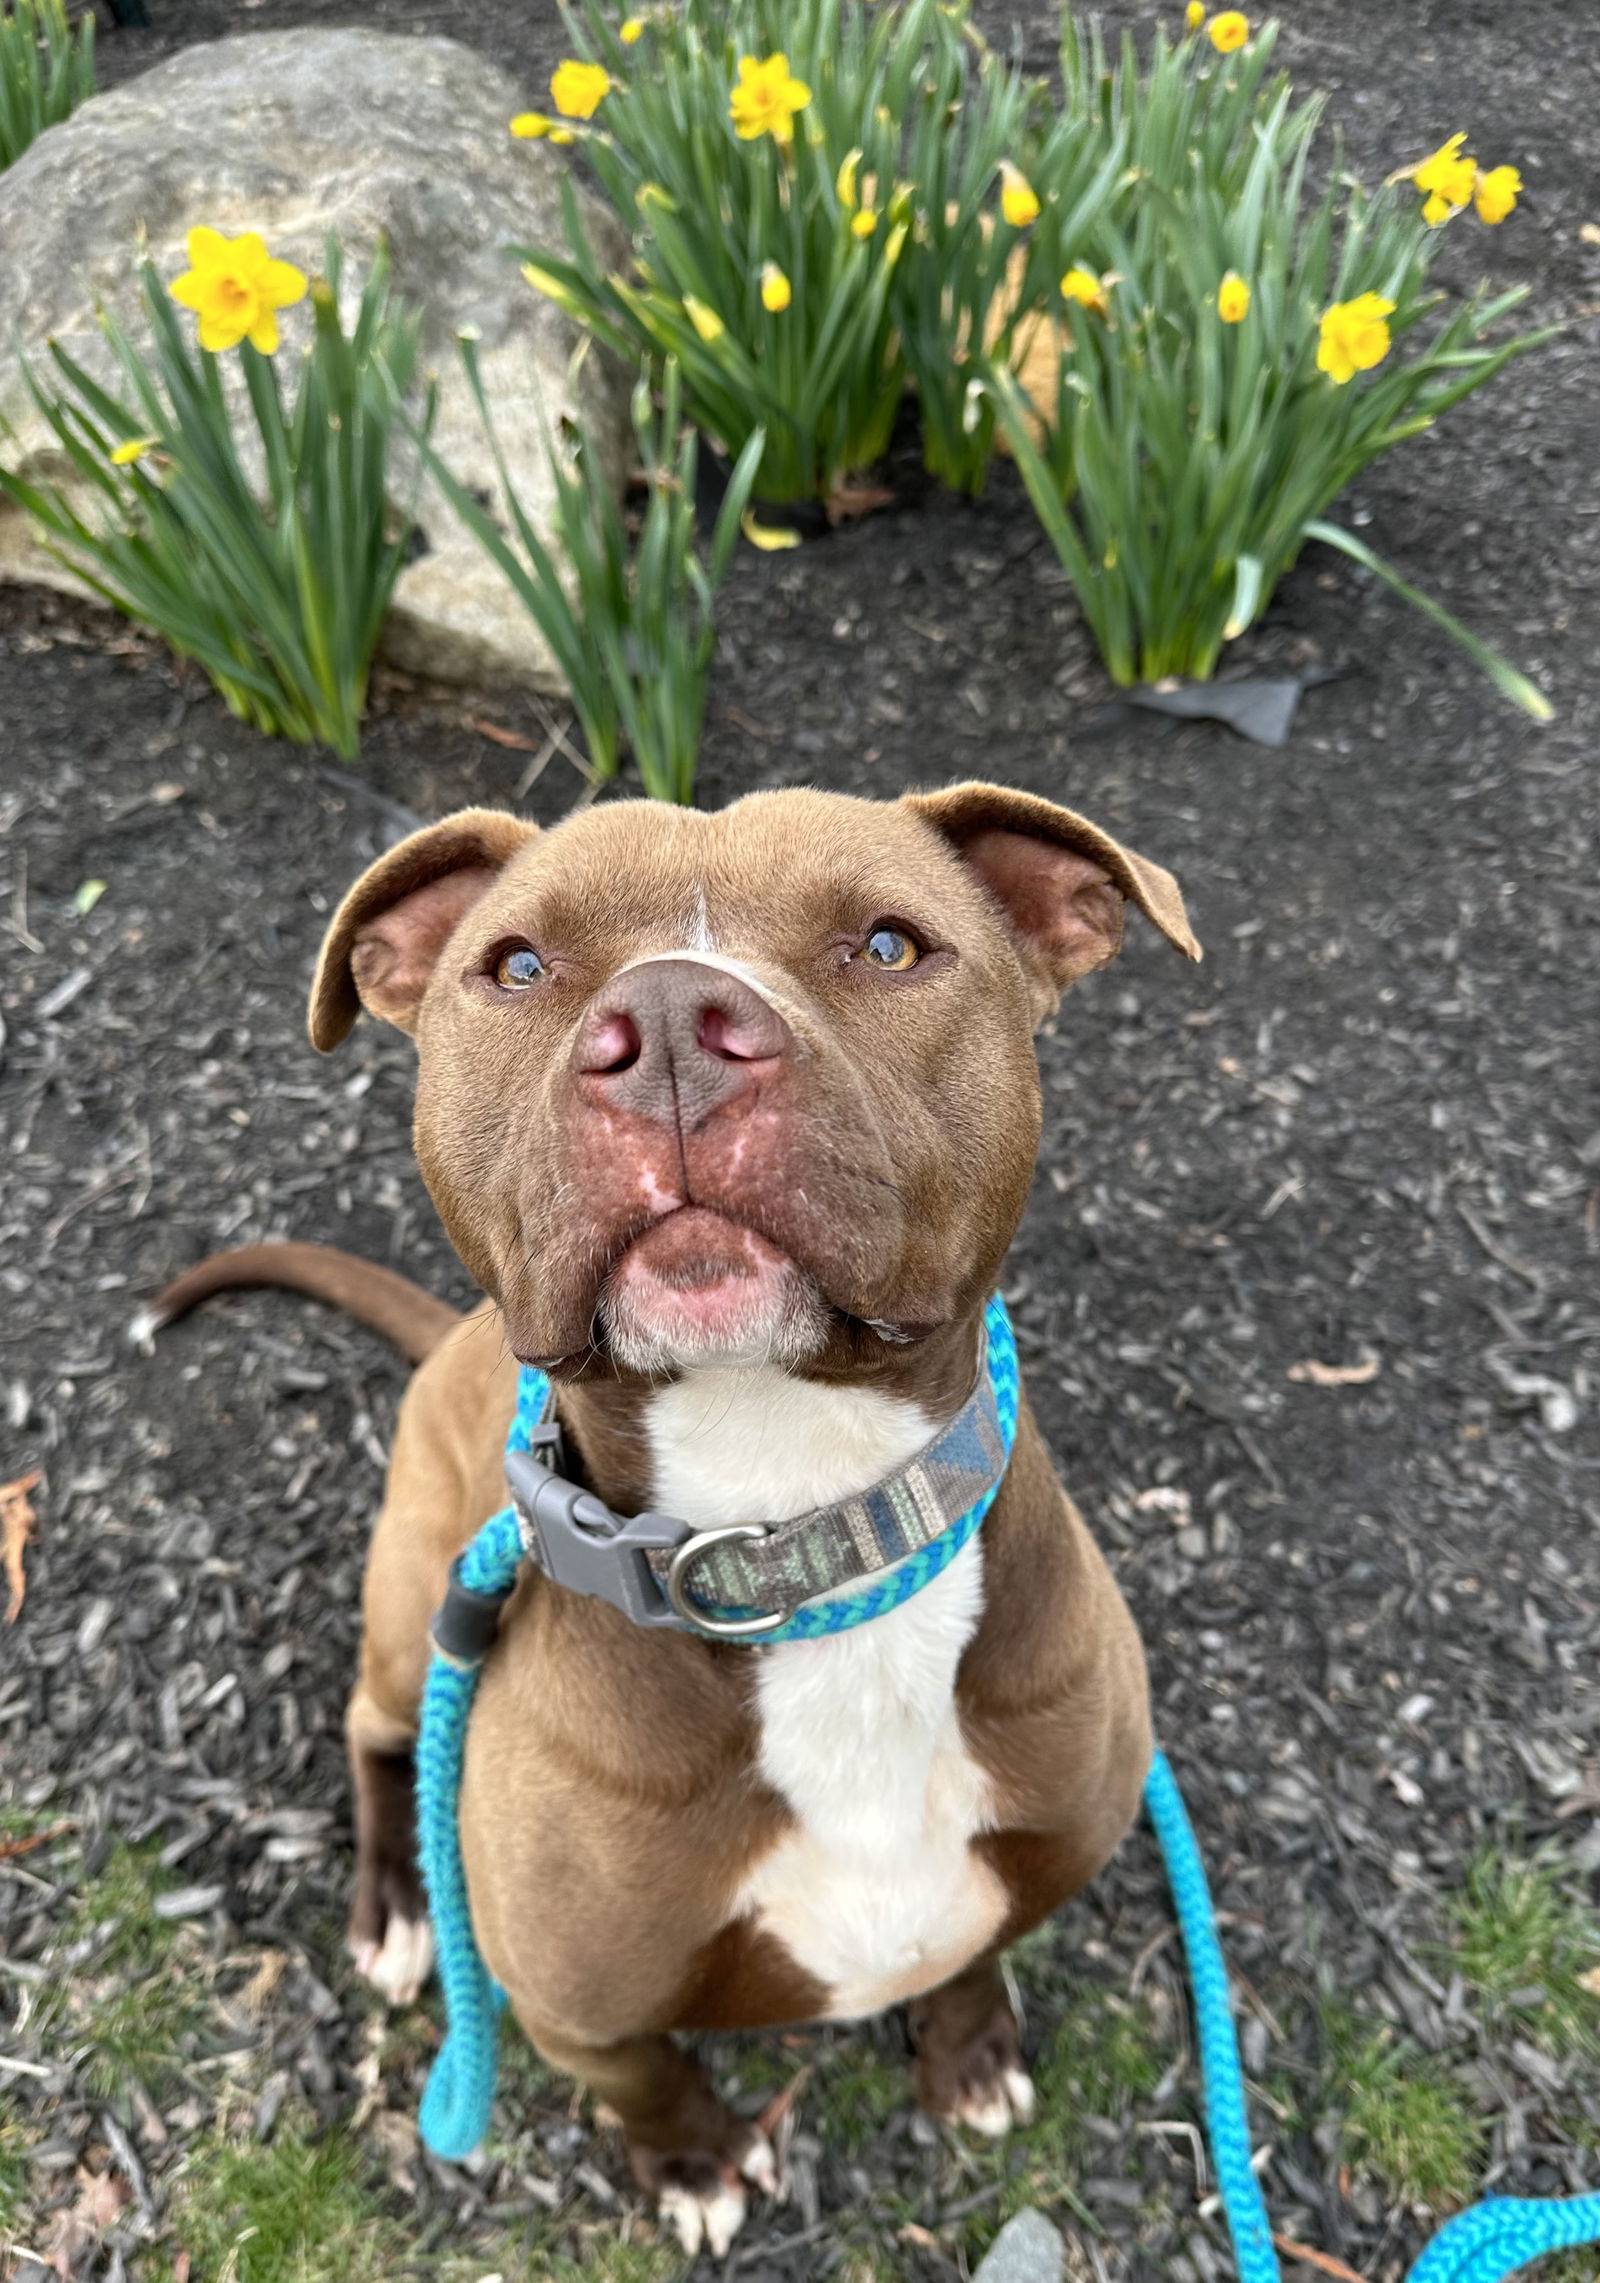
(1522, 1268)
(17, 1520)
(1320, 2259)
(18, 917)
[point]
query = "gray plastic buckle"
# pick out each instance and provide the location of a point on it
(577, 1541)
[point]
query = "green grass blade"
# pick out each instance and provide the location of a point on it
(1500, 671)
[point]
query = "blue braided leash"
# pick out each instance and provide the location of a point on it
(1483, 2245)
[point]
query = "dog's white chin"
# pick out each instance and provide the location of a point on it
(767, 1311)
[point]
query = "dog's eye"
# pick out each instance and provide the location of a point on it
(515, 969)
(890, 947)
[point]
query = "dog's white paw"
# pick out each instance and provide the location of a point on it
(711, 2221)
(399, 1965)
(999, 2105)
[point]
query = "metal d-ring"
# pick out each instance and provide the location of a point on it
(719, 1628)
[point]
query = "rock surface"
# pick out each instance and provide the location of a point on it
(294, 134)
(1028, 2249)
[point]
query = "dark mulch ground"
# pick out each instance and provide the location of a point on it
(1368, 1126)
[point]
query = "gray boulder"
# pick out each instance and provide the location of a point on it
(294, 134)
(1028, 2249)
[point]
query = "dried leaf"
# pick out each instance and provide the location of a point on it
(1167, 1499)
(849, 500)
(1314, 1374)
(254, 1996)
(1590, 1981)
(100, 2200)
(17, 1520)
(492, 730)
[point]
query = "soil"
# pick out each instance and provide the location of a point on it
(1366, 1132)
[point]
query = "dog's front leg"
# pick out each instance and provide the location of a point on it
(389, 1935)
(686, 2148)
(968, 2067)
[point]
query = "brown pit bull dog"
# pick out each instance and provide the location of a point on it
(734, 1117)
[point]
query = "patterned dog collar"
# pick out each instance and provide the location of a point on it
(766, 1582)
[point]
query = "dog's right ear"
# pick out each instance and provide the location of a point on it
(386, 937)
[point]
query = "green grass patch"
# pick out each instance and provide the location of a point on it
(297, 2209)
(1103, 2059)
(1403, 2116)
(606, 2261)
(13, 2176)
(1524, 1937)
(853, 2096)
(143, 2003)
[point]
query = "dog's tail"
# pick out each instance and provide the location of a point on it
(391, 1304)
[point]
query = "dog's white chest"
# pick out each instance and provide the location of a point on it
(875, 1889)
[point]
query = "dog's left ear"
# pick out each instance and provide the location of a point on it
(386, 938)
(1059, 880)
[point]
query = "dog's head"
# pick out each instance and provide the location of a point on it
(746, 1086)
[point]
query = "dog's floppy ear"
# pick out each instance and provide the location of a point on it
(385, 939)
(1059, 880)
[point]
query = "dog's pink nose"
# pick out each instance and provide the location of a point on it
(674, 1040)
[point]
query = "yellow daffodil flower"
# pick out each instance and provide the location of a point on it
(578, 89)
(1496, 193)
(135, 448)
(632, 30)
(863, 224)
(1195, 14)
(1446, 178)
(1083, 287)
(776, 291)
(236, 289)
(844, 182)
(531, 126)
(1228, 31)
(766, 99)
(1019, 201)
(705, 320)
(769, 537)
(1353, 337)
(1233, 299)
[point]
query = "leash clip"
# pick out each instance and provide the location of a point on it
(579, 1543)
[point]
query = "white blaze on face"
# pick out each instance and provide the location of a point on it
(875, 1889)
(701, 938)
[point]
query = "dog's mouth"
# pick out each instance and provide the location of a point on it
(697, 1287)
